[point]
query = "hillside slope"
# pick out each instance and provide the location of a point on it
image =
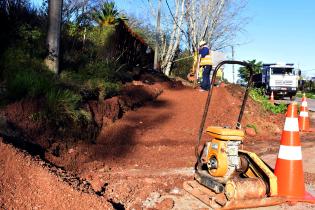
(149, 149)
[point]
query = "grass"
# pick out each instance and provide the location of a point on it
(258, 95)
(101, 77)
(27, 77)
(307, 94)
(62, 106)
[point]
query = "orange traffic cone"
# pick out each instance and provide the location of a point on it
(289, 168)
(272, 100)
(304, 120)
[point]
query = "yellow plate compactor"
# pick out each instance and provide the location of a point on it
(226, 176)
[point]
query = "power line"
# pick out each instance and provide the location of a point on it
(185, 34)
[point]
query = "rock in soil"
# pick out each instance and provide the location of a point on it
(250, 131)
(166, 204)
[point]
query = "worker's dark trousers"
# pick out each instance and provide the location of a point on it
(205, 84)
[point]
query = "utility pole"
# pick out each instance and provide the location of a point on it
(156, 65)
(233, 70)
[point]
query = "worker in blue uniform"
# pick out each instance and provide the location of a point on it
(206, 63)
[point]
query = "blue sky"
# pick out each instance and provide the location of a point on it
(278, 30)
(281, 30)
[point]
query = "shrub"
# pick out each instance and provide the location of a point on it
(105, 89)
(101, 77)
(25, 76)
(32, 39)
(106, 70)
(28, 77)
(62, 106)
(111, 89)
(183, 67)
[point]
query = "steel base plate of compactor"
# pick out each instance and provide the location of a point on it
(219, 201)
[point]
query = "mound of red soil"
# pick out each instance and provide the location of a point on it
(159, 136)
(25, 184)
(133, 156)
(25, 114)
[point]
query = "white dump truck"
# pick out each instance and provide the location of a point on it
(279, 78)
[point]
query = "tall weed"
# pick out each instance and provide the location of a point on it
(62, 106)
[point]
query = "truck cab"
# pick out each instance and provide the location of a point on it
(280, 78)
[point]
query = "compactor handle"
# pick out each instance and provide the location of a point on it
(238, 124)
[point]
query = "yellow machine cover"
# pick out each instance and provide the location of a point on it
(225, 133)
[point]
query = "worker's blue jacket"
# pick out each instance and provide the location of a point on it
(204, 51)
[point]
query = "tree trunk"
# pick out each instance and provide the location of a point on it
(53, 35)
(156, 65)
(167, 70)
(174, 38)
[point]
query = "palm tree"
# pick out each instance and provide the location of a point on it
(53, 35)
(108, 15)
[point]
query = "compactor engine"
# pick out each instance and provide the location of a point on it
(224, 168)
(220, 155)
(225, 174)
(228, 177)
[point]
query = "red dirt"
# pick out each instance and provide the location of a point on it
(148, 149)
(25, 184)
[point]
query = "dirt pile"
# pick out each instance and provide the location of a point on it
(24, 115)
(255, 116)
(26, 184)
(159, 136)
(149, 148)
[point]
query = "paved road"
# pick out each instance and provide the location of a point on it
(310, 102)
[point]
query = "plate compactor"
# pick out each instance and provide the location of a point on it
(226, 176)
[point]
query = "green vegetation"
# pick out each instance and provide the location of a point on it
(108, 15)
(310, 94)
(258, 95)
(89, 65)
(253, 126)
(244, 72)
(25, 76)
(183, 65)
(28, 77)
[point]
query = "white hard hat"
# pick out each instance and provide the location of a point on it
(202, 42)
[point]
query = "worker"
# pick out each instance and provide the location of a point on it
(206, 63)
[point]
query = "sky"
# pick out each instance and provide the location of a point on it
(277, 31)
(282, 30)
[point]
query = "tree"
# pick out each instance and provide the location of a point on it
(215, 21)
(53, 35)
(108, 15)
(157, 37)
(244, 72)
(169, 42)
(142, 27)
